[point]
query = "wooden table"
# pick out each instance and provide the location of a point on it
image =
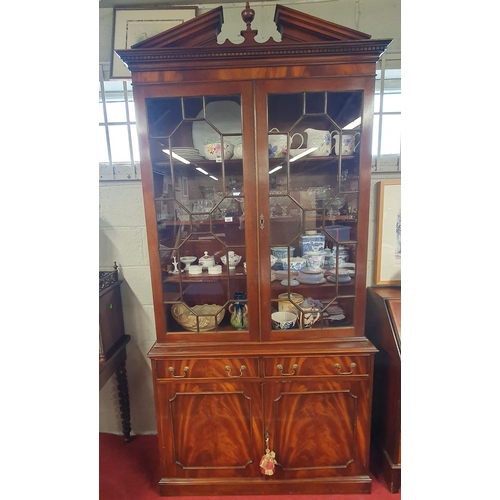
(115, 364)
(383, 328)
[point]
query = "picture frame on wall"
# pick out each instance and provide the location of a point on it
(388, 241)
(132, 25)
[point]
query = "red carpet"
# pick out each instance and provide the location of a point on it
(127, 471)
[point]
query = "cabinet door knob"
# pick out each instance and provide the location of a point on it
(228, 369)
(171, 370)
(352, 365)
(280, 368)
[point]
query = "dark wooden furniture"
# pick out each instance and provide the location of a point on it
(225, 392)
(383, 328)
(112, 342)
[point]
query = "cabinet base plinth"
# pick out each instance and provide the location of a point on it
(391, 473)
(265, 486)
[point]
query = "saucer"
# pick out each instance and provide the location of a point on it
(342, 279)
(292, 283)
(309, 282)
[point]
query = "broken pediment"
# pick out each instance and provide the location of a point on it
(194, 44)
(294, 27)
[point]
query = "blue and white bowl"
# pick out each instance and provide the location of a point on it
(283, 320)
(295, 263)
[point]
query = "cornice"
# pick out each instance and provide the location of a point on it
(172, 58)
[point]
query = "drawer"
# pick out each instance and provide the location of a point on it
(316, 366)
(196, 368)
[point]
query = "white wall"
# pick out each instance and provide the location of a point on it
(122, 230)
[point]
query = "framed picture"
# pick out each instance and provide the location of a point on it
(388, 252)
(185, 187)
(131, 26)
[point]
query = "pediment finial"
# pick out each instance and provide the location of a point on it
(248, 15)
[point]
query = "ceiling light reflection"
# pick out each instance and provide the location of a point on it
(301, 155)
(275, 169)
(177, 157)
(353, 124)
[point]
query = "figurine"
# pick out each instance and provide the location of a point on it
(175, 263)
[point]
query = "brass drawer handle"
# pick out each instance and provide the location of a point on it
(171, 370)
(228, 369)
(280, 368)
(353, 365)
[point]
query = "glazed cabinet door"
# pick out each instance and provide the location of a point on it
(314, 152)
(209, 429)
(318, 428)
(199, 190)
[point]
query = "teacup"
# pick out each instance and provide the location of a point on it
(315, 260)
(278, 144)
(295, 263)
(214, 151)
(283, 320)
(349, 143)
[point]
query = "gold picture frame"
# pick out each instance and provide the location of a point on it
(132, 25)
(388, 250)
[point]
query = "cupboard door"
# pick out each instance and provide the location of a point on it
(209, 430)
(318, 429)
(316, 165)
(200, 197)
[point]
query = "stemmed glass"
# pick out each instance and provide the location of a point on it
(273, 201)
(283, 202)
(337, 203)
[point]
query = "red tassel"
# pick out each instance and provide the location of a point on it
(267, 463)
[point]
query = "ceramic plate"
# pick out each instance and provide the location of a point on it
(305, 281)
(292, 283)
(308, 270)
(336, 317)
(342, 279)
(348, 265)
(225, 115)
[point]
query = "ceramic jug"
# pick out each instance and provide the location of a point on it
(309, 313)
(278, 143)
(239, 312)
(349, 143)
(319, 139)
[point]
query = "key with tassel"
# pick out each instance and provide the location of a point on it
(268, 461)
